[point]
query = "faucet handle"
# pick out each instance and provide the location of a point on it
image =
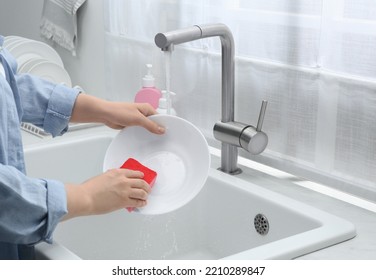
(261, 116)
(252, 138)
(243, 135)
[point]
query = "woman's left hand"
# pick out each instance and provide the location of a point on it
(124, 114)
(116, 115)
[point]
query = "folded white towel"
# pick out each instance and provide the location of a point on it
(59, 22)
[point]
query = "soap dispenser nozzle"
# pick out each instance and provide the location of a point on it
(148, 80)
(165, 103)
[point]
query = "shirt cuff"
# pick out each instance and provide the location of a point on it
(59, 109)
(56, 205)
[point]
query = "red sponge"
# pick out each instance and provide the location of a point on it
(149, 175)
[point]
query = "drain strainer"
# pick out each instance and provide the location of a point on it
(261, 224)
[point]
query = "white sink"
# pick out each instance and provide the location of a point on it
(218, 223)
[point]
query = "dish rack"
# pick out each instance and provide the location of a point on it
(33, 129)
(39, 59)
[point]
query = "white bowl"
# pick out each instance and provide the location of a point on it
(180, 157)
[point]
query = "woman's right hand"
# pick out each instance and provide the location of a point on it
(110, 191)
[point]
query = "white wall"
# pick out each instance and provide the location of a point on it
(21, 17)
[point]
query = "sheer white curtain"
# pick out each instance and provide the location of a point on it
(314, 60)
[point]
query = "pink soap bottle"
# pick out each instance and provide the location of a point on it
(148, 93)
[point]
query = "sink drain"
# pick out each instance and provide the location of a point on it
(261, 224)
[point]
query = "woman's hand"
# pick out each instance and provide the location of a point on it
(116, 188)
(116, 115)
(122, 114)
(110, 191)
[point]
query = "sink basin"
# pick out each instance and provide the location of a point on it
(230, 218)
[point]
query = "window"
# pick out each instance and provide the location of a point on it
(314, 60)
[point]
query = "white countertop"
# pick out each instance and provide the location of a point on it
(363, 246)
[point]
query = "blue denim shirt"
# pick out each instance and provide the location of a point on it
(30, 208)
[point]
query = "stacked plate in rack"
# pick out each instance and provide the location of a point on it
(37, 58)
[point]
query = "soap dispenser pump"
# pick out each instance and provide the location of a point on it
(148, 93)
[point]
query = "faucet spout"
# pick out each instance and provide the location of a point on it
(165, 41)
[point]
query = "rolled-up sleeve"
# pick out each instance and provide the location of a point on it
(34, 207)
(46, 104)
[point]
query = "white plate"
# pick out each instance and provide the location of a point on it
(35, 47)
(25, 58)
(51, 72)
(25, 67)
(10, 40)
(180, 157)
(2, 71)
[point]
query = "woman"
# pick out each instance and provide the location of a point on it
(31, 208)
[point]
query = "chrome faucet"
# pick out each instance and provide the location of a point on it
(231, 134)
